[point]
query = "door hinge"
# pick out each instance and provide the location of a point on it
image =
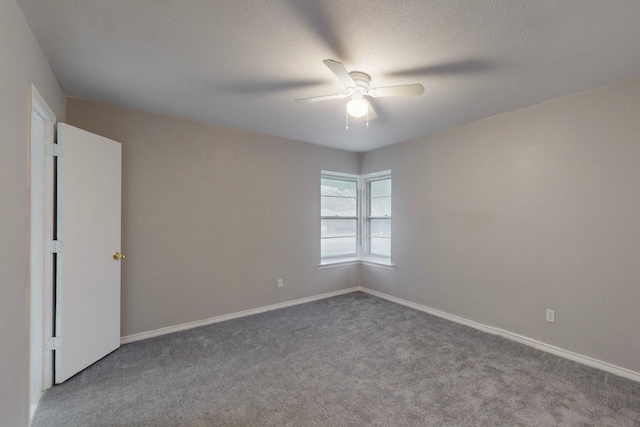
(52, 343)
(54, 246)
(54, 150)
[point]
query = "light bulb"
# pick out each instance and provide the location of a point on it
(357, 107)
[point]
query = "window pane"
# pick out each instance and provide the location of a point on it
(338, 187)
(342, 246)
(380, 206)
(338, 227)
(380, 246)
(380, 188)
(338, 206)
(380, 227)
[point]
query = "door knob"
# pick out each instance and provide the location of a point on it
(118, 256)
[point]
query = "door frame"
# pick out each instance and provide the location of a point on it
(41, 262)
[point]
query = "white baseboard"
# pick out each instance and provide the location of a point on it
(585, 360)
(190, 325)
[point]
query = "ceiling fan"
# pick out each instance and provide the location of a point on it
(358, 87)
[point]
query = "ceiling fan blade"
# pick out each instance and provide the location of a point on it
(402, 90)
(467, 66)
(338, 69)
(321, 98)
(372, 113)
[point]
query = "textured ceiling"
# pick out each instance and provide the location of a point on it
(242, 63)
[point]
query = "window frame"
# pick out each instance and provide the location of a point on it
(347, 178)
(362, 255)
(367, 217)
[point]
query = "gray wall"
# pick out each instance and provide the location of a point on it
(539, 208)
(21, 62)
(213, 216)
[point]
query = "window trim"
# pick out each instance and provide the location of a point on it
(350, 178)
(362, 255)
(367, 217)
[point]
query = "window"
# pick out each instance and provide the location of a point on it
(378, 216)
(339, 217)
(355, 218)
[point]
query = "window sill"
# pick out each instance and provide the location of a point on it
(330, 263)
(378, 262)
(373, 262)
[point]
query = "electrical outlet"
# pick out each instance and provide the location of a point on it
(280, 283)
(551, 316)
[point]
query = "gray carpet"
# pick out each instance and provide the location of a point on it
(351, 360)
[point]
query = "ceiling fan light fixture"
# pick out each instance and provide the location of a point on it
(357, 107)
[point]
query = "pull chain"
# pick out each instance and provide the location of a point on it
(347, 119)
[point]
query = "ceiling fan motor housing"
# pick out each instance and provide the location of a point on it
(361, 80)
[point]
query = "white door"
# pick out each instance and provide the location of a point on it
(88, 273)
